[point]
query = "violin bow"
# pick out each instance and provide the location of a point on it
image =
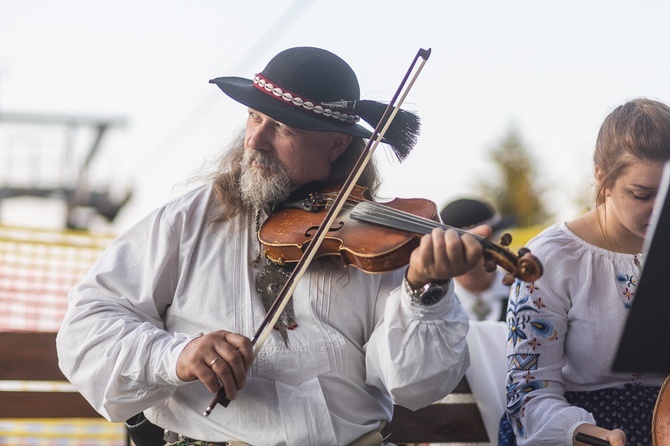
(274, 312)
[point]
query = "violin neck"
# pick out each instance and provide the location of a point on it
(375, 213)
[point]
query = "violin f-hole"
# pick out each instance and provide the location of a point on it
(333, 228)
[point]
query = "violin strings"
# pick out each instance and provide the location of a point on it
(369, 210)
(372, 212)
(395, 218)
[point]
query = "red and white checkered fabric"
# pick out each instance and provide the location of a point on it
(37, 269)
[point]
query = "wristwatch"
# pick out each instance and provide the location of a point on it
(429, 294)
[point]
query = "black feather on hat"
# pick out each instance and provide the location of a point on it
(314, 89)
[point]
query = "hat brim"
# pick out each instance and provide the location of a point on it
(243, 91)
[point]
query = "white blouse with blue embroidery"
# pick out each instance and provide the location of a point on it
(564, 331)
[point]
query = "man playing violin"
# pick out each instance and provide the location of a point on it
(164, 319)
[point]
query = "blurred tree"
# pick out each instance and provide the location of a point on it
(516, 190)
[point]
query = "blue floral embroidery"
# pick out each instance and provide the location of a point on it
(542, 327)
(631, 280)
(517, 391)
(519, 323)
(628, 282)
(525, 322)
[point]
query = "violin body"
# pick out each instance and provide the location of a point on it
(370, 248)
(660, 425)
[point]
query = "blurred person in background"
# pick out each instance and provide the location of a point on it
(481, 292)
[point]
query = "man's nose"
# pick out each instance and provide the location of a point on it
(261, 138)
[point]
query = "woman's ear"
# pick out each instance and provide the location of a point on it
(600, 176)
(339, 143)
(603, 191)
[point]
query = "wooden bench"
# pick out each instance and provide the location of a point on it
(455, 420)
(32, 357)
(31, 384)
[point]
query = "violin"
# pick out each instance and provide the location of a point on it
(660, 423)
(375, 237)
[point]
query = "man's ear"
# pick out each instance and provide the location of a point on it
(339, 143)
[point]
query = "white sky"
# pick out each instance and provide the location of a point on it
(552, 68)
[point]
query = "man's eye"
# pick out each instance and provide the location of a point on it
(284, 129)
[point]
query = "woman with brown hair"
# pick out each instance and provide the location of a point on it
(564, 329)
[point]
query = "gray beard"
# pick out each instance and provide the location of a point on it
(263, 187)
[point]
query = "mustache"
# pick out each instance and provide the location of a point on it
(267, 161)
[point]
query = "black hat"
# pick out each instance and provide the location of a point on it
(466, 213)
(314, 89)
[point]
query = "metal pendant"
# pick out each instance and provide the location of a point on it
(269, 282)
(481, 308)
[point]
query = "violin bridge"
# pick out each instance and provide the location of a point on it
(314, 202)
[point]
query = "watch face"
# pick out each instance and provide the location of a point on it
(433, 295)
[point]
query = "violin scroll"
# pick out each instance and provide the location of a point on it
(523, 266)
